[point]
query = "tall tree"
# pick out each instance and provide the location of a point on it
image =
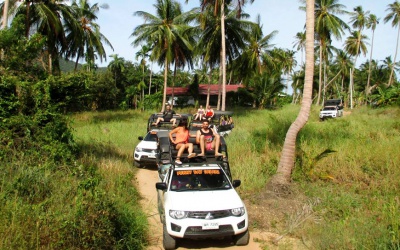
(250, 60)
(300, 43)
(163, 30)
(209, 45)
(394, 15)
(47, 17)
(84, 38)
(371, 24)
(143, 54)
(342, 64)
(286, 164)
(116, 66)
(220, 5)
(355, 43)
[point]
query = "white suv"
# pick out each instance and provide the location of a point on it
(199, 201)
(146, 151)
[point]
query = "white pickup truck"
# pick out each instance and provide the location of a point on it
(332, 108)
(199, 201)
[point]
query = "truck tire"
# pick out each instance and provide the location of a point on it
(169, 242)
(242, 239)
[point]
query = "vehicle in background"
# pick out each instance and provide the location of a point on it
(146, 152)
(332, 108)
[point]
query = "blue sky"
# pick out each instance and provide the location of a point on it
(118, 22)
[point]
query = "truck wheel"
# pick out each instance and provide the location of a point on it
(169, 242)
(242, 239)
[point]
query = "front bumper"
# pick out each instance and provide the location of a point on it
(193, 228)
(144, 159)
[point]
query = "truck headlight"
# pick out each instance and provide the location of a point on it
(138, 149)
(177, 214)
(238, 211)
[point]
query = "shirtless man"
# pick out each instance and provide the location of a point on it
(208, 139)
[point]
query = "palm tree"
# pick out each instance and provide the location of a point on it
(85, 38)
(286, 163)
(47, 17)
(116, 66)
(392, 65)
(250, 60)
(371, 24)
(216, 4)
(143, 54)
(288, 63)
(209, 45)
(354, 43)
(342, 64)
(163, 30)
(394, 15)
(300, 43)
(327, 24)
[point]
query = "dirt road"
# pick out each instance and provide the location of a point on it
(146, 179)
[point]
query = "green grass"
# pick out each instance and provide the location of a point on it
(357, 186)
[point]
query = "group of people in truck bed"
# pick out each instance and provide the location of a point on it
(206, 137)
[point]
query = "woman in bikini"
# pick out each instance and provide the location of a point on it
(200, 113)
(181, 140)
(208, 139)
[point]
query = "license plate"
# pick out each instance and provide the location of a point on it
(210, 225)
(152, 156)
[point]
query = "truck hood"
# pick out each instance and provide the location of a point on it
(147, 144)
(203, 200)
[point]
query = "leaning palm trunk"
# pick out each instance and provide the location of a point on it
(286, 163)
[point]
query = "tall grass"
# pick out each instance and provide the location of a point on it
(357, 185)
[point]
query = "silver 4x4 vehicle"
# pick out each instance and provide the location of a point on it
(332, 108)
(197, 201)
(146, 152)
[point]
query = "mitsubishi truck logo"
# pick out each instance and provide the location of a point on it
(209, 216)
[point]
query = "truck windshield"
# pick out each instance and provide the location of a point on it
(199, 179)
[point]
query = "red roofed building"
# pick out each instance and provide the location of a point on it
(203, 89)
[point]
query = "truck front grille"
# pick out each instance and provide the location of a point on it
(209, 214)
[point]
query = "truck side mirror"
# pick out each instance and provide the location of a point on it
(236, 183)
(161, 185)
